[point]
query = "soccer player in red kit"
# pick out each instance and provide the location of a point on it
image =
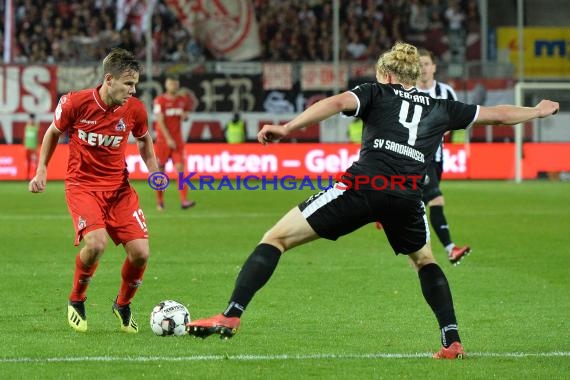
(99, 197)
(169, 109)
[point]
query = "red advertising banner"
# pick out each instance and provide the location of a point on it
(321, 76)
(24, 90)
(476, 161)
(277, 76)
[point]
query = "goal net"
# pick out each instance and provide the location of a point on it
(549, 130)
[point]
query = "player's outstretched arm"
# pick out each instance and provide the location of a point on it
(317, 112)
(49, 143)
(510, 115)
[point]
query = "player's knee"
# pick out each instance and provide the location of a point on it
(271, 237)
(138, 252)
(419, 263)
(139, 258)
(421, 258)
(95, 246)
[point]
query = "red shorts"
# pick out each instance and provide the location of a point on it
(163, 152)
(116, 211)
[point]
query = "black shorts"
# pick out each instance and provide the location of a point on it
(334, 212)
(431, 181)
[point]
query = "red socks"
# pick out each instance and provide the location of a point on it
(160, 197)
(81, 279)
(132, 278)
(183, 193)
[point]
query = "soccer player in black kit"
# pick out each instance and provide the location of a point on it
(432, 195)
(402, 130)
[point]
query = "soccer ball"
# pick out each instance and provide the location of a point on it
(169, 318)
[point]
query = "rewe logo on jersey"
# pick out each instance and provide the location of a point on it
(174, 112)
(98, 139)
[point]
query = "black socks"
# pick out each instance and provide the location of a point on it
(261, 264)
(439, 224)
(254, 274)
(435, 289)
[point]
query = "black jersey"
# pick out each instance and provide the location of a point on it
(402, 130)
(440, 90)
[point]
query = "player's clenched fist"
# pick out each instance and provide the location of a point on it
(37, 184)
(271, 133)
(547, 108)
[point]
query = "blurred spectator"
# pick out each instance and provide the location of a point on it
(435, 7)
(355, 49)
(235, 130)
(435, 16)
(37, 52)
(290, 30)
(455, 16)
(473, 17)
(419, 18)
(354, 130)
(306, 14)
(127, 40)
(31, 142)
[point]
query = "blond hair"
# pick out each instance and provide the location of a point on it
(403, 61)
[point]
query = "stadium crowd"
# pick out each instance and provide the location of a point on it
(72, 31)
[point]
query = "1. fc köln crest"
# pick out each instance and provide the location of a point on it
(227, 28)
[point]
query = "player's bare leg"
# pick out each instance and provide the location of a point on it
(292, 230)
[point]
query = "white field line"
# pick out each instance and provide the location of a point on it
(206, 358)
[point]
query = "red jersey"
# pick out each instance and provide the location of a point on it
(98, 138)
(173, 109)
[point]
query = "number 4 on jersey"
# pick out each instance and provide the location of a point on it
(412, 126)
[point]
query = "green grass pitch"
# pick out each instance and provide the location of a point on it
(348, 309)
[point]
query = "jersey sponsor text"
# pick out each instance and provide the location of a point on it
(98, 139)
(399, 148)
(174, 112)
